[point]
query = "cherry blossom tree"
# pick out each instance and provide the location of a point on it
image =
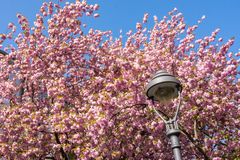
(69, 92)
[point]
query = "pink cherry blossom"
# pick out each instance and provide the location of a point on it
(74, 93)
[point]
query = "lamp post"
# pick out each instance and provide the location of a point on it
(163, 88)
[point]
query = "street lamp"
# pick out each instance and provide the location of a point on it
(163, 88)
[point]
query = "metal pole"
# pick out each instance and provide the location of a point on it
(173, 134)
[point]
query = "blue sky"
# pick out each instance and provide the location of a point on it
(124, 14)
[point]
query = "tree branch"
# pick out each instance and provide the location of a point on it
(194, 142)
(65, 156)
(195, 129)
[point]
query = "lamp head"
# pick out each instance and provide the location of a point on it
(163, 87)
